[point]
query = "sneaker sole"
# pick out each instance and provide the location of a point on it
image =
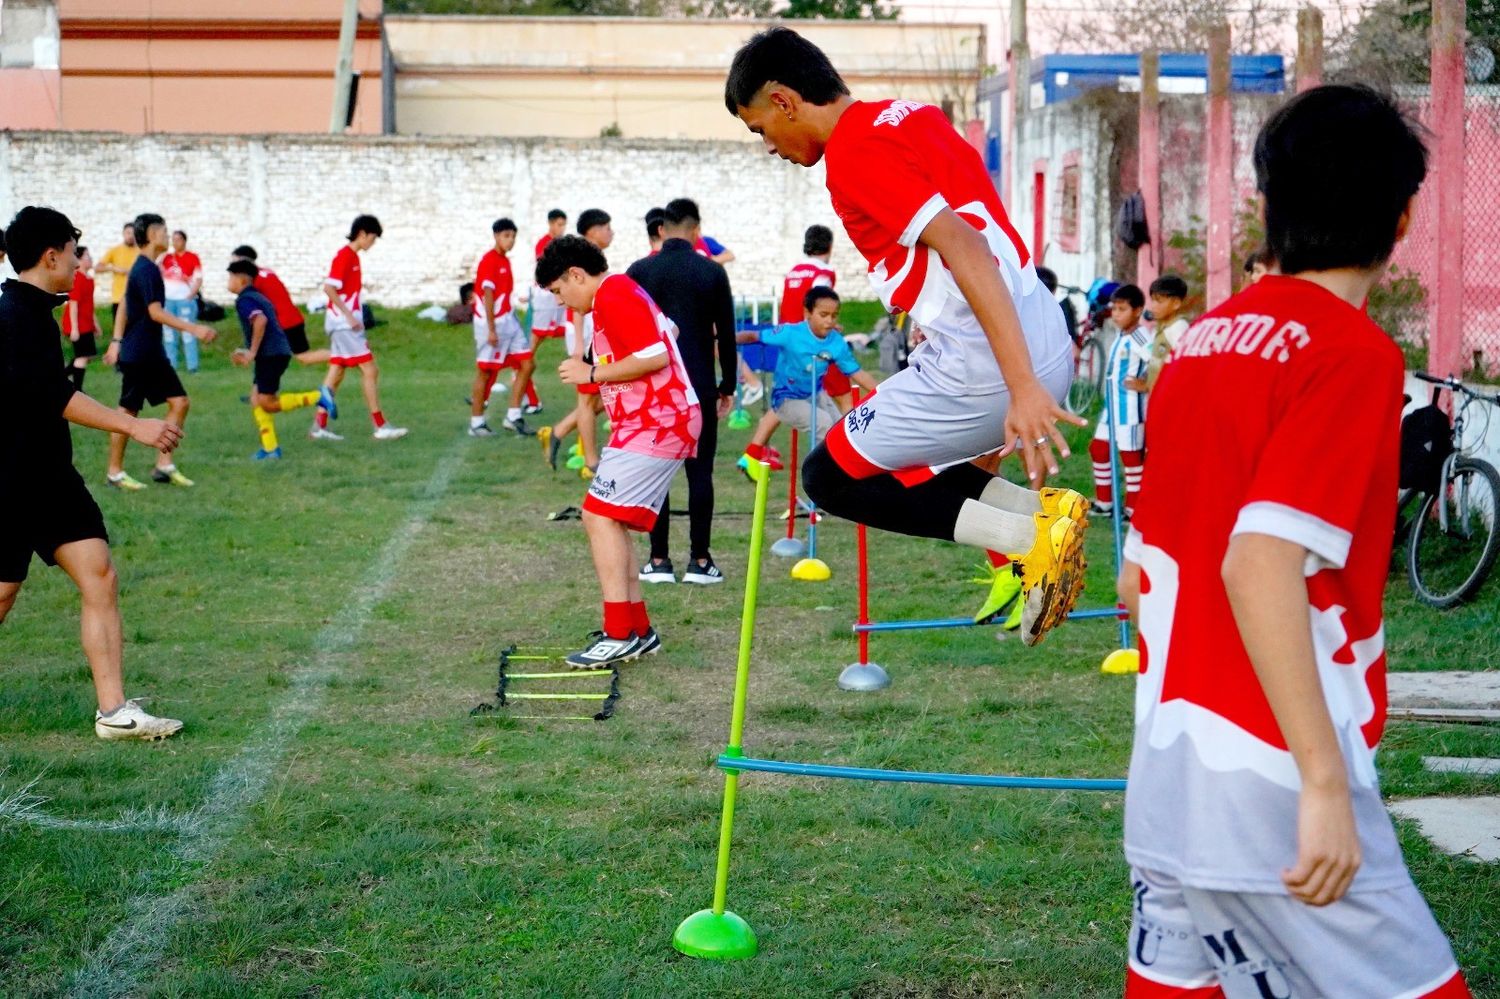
(703, 581)
(648, 577)
(133, 735)
(1060, 593)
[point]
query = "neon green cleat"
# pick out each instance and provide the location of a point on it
(1005, 594)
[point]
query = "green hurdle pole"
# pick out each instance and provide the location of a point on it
(717, 933)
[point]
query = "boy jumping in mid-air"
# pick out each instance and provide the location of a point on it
(917, 202)
(267, 351)
(499, 341)
(808, 351)
(1263, 860)
(1125, 391)
(345, 323)
(645, 387)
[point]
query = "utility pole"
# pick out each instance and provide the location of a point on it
(1309, 48)
(343, 73)
(1020, 98)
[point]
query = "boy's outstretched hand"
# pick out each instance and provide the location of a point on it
(158, 434)
(1033, 422)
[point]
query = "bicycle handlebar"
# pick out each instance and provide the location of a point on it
(1457, 386)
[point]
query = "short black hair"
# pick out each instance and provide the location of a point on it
(244, 250)
(1337, 165)
(1262, 255)
(817, 240)
(782, 55)
(680, 210)
(1170, 286)
(503, 225)
(654, 219)
(555, 214)
(464, 291)
(365, 223)
(179, 232)
(1130, 295)
(143, 223)
(1048, 277)
(816, 294)
(565, 252)
(590, 217)
(79, 252)
(245, 267)
(2, 240)
(33, 232)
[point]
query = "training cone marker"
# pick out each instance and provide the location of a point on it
(1121, 662)
(811, 570)
(789, 548)
(718, 936)
(739, 419)
(863, 678)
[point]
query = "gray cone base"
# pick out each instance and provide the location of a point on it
(864, 677)
(789, 548)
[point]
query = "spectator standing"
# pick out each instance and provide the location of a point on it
(116, 262)
(182, 273)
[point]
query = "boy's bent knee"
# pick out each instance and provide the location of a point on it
(823, 480)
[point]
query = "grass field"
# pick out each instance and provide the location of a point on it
(332, 821)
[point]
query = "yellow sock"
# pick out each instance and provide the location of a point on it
(296, 400)
(267, 427)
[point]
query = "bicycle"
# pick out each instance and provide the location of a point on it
(1088, 356)
(1453, 540)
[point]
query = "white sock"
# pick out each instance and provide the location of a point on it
(513, 413)
(476, 421)
(1002, 494)
(987, 527)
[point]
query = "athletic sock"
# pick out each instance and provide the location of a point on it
(513, 413)
(996, 559)
(77, 375)
(640, 621)
(756, 452)
(476, 422)
(1003, 494)
(378, 418)
(297, 400)
(618, 621)
(1104, 480)
(489, 382)
(996, 530)
(267, 427)
(531, 397)
(321, 420)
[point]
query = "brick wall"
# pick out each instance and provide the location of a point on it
(292, 197)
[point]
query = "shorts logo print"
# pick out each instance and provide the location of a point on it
(602, 488)
(859, 419)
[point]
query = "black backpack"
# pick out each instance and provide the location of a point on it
(1130, 224)
(1426, 442)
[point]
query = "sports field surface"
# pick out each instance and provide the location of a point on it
(332, 822)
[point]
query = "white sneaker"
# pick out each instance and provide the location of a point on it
(480, 430)
(753, 392)
(389, 433)
(129, 721)
(318, 433)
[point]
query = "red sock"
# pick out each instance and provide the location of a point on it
(531, 396)
(1134, 463)
(489, 383)
(997, 560)
(640, 621)
(756, 451)
(617, 619)
(322, 418)
(1104, 486)
(379, 419)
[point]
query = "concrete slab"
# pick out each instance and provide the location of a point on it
(1445, 689)
(1461, 765)
(1469, 827)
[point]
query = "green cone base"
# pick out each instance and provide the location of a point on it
(716, 937)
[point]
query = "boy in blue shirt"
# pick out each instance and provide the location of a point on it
(805, 346)
(269, 352)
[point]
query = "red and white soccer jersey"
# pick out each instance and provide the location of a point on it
(547, 313)
(344, 274)
(542, 244)
(494, 275)
(81, 295)
(1239, 430)
(892, 167)
(177, 273)
(809, 274)
(658, 414)
(269, 285)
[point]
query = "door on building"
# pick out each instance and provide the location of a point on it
(1038, 216)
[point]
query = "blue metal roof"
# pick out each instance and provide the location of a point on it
(1064, 77)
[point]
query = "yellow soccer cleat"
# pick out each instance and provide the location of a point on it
(1005, 592)
(1066, 503)
(1051, 576)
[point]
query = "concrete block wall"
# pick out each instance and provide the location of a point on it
(293, 197)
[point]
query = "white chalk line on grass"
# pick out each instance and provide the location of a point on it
(113, 968)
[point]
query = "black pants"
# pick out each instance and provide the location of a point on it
(926, 510)
(700, 477)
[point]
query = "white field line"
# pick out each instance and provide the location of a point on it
(136, 944)
(23, 806)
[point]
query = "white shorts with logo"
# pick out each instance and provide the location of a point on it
(629, 487)
(797, 414)
(546, 313)
(513, 346)
(1128, 436)
(1188, 943)
(348, 347)
(915, 428)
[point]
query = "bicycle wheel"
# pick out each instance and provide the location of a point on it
(1447, 567)
(1088, 379)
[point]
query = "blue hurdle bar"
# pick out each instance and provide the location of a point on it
(920, 777)
(1114, 613)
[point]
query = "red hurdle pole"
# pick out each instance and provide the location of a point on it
(791, 503)
(864, 593)
(863, 675)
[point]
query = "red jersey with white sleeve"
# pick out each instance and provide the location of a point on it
(495, 275)
(344, 274)
(269, 285)
(542, 244)
(81, 295)
(892, 167)
(809, 274)
(1212, 798)
(177, 273)
(653, 414)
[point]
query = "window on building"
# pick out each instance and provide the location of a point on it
(1067, 206)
